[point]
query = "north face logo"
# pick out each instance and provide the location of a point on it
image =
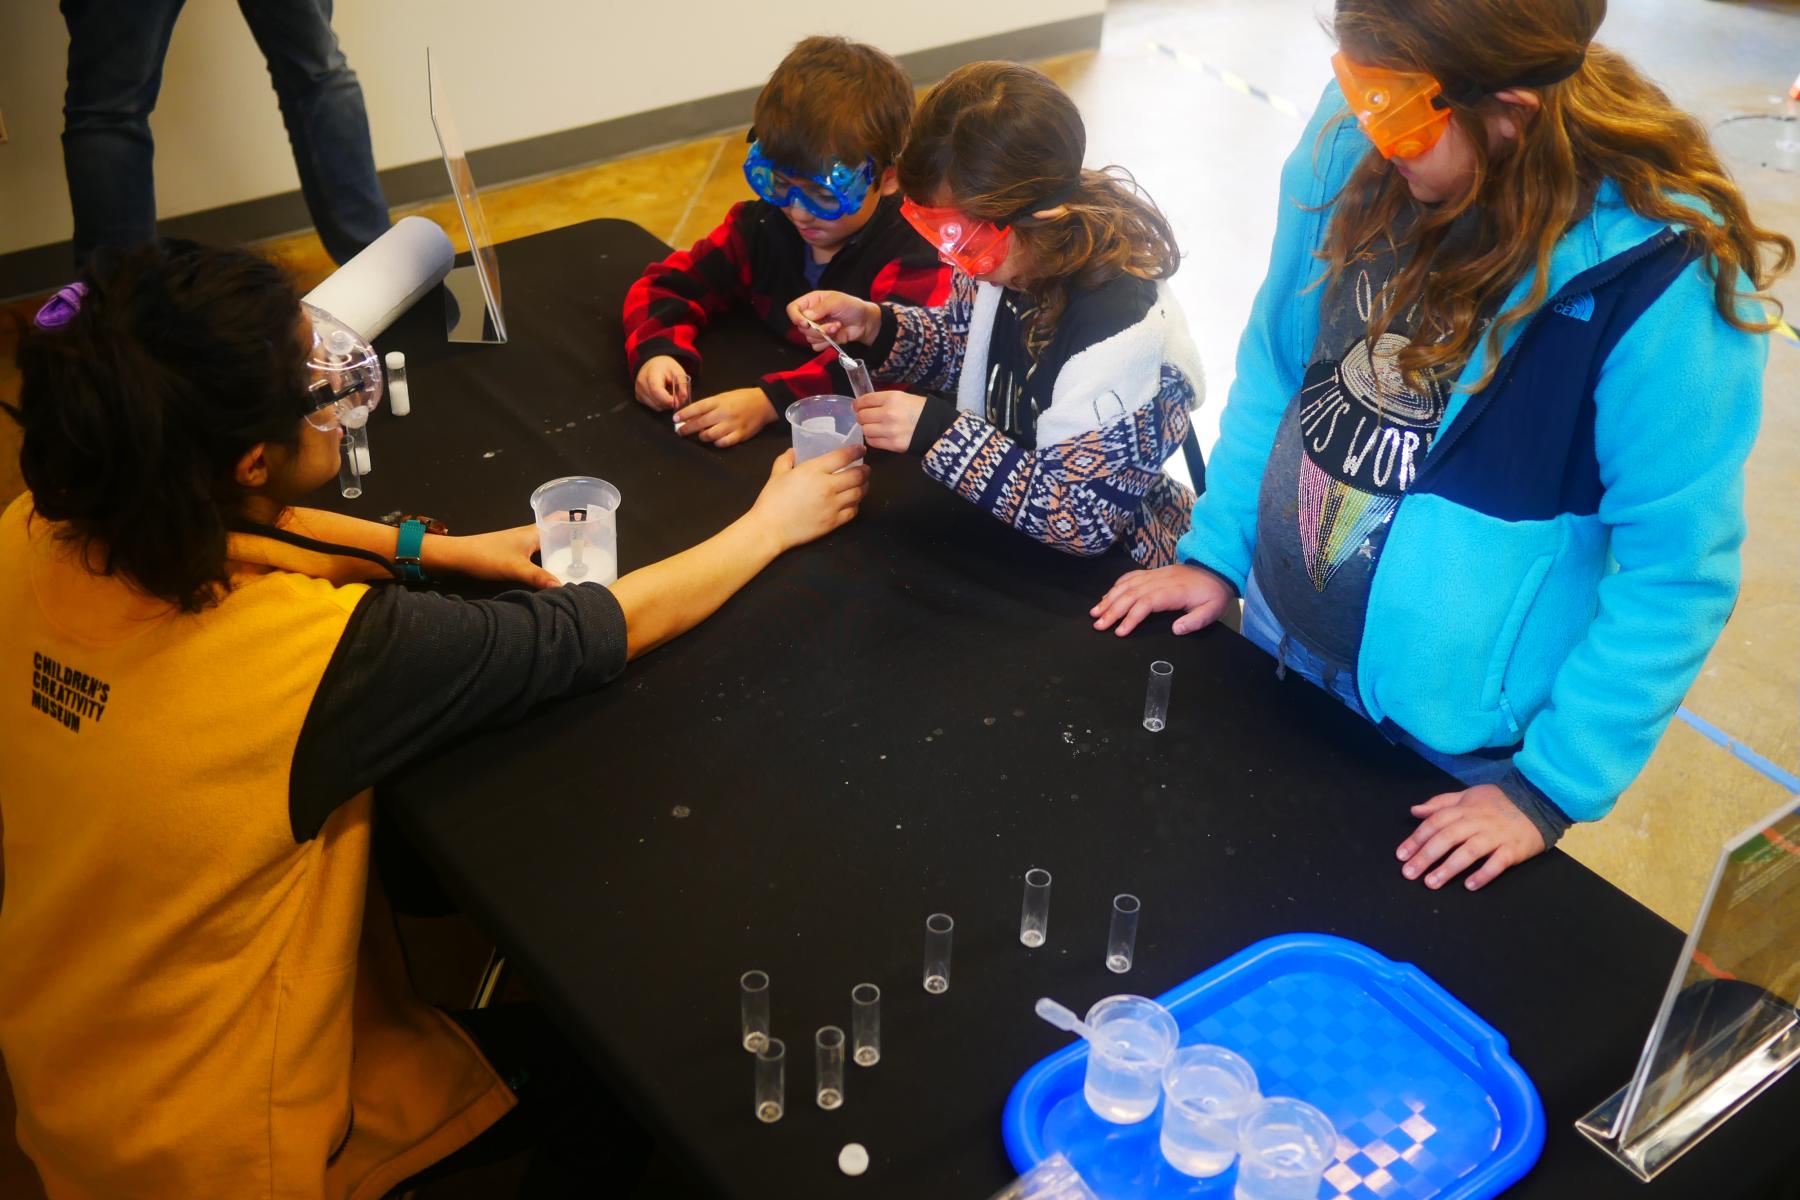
(1580, 307)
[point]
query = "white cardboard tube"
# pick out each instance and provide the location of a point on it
(369, 292)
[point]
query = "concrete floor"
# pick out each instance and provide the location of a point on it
(1165, 96)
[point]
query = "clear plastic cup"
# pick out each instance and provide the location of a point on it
(1052, 1179)
(822, 424)
(578, 532)
(1137, 1037)
(1206, 1091)
(1285, 1146)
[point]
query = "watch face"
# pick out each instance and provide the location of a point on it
(431, 524)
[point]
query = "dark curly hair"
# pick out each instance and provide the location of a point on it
(181, 358)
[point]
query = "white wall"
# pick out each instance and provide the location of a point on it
(516, 69)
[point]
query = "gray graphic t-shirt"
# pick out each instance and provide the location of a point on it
(1348, 447)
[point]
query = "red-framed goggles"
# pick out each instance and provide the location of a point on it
(1403, 112)
(971, 245)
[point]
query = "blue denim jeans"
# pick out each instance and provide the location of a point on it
(116, 50)
(1261, 627)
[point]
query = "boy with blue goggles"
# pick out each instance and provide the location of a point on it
(825, 132)
(828, 195)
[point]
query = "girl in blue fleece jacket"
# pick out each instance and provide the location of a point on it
(1481, 471)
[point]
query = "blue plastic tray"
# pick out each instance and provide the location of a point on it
(1424, 1097)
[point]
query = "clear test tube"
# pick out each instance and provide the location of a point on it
(1034, 916)
(865, 1024)
(771, 1080)
(399, 397)
(860, 384)
(828, 1063)
(353, 453)
(1121, 940)
(1156, 696)
(753, 991)
(938, 927)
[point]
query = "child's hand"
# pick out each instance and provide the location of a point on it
(845, 318)
(801, 503)
(727, 418)
(1198, 594)
(503, 555)
(662, 383)
(889, 418)
(1478, 823)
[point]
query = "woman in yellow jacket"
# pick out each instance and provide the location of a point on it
(200, 993)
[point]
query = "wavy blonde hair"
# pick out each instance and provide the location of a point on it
(1604, 121)
(996, 137)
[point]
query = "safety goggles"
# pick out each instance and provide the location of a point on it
(973, 246)
(835, 192)
(1403, 112)
(344, 375)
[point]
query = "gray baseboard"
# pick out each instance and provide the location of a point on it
(43, 268)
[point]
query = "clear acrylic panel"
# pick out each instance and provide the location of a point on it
(465, 323)
(1730, 1020)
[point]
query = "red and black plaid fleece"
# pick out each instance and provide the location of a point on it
(755, 257)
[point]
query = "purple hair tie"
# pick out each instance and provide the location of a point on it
(61, 308)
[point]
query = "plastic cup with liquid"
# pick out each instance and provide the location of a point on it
(1135, 1039)
(1284, 1146)
(578, 531)
(1207, 1090)
(822, 424)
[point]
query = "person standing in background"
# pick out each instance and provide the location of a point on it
(116, 52)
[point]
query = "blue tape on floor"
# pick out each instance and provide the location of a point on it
(1739, 751)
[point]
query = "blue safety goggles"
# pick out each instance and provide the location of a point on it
(835, 193)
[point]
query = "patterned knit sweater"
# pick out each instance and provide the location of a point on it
(1067, 448)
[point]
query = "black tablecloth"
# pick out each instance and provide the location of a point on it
(902, 719)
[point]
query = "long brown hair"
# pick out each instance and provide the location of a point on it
(1604, 121)
(997, 139)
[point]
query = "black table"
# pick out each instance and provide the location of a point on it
(902, 719)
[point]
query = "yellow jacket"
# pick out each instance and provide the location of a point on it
(192, 1002)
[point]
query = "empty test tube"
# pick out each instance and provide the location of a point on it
(1156, 696)
(828, 1063)
(771, 1080)
(1121, 940)
(938, 927)
(865, 1024)
(1034, 917)
(753, 989)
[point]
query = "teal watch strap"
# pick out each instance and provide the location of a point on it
(408, 548)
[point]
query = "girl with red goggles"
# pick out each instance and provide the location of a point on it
(1067, 360)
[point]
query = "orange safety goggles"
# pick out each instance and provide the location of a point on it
(973, 246)
(1402, 112)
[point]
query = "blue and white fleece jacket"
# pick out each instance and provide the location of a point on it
(1568, 553)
